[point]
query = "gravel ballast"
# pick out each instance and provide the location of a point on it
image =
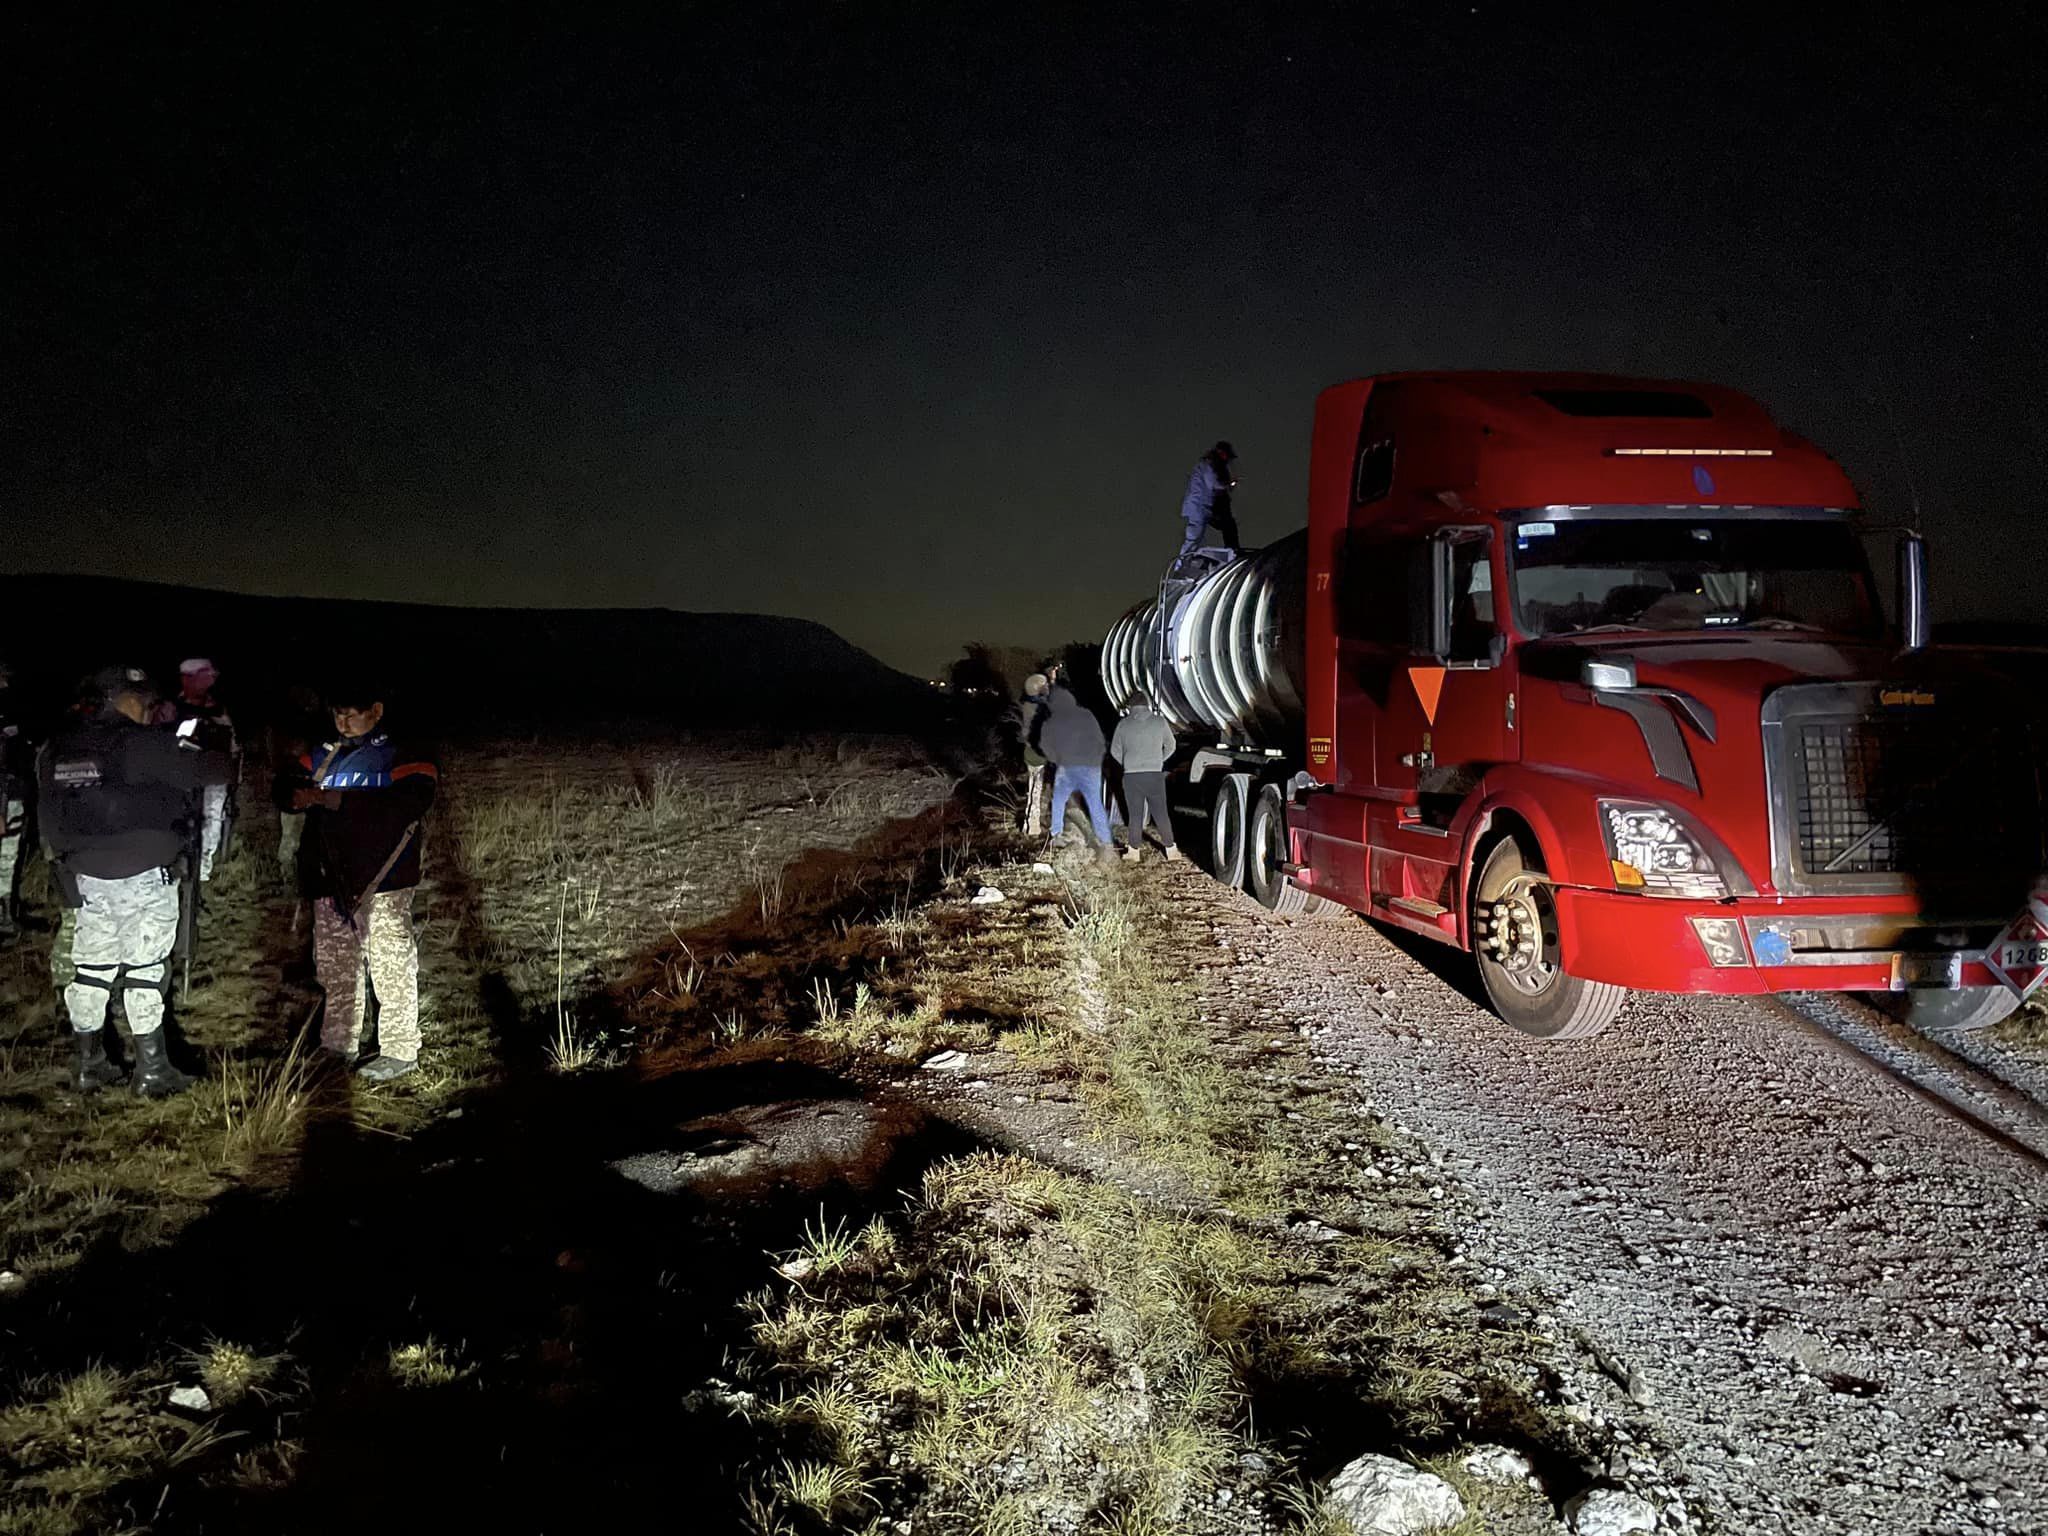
(1794, 1296)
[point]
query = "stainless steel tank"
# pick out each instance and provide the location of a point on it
(1227, 658)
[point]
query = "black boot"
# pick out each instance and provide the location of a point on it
(155, 1077)
(8, 927)
(90, 1068)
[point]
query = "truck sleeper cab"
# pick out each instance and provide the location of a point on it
(1589, 676)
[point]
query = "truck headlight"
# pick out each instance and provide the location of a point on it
(1652, 851)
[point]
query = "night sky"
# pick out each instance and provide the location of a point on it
(911, 319)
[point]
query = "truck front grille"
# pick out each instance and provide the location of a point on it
(1876, 799)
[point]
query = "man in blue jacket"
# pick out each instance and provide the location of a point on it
(1207, 502)
(364, 795)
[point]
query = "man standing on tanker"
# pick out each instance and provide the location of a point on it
(1207, 502)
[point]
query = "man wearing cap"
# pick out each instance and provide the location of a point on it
(15, 777)
(114, 794)
(215, 733)
(363, 794)
(1207, 502)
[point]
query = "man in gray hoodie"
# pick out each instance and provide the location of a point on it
(1141, 747)
(1072, 742)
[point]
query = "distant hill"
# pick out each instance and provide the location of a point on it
(460, 665)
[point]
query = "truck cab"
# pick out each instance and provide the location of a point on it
(1597, 683)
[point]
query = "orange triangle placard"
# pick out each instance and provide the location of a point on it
(1429, 687)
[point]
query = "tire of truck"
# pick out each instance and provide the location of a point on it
(1267, 848)
(1514, 939)
(1950, 1012)
(1227, 828)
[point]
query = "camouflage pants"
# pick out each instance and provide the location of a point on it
(61, 971)
(12, 812)
(122, 941)
(384, 949)
(1037, 780)
(213, 804)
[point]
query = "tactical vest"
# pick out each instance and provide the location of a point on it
(92, 795)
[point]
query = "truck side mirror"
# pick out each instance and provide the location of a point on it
(1914, 623)
(1429, 600)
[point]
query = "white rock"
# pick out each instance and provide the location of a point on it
(194, 1398)
(946, 1061)
(1498, 1464)
(1379, 1496)
(1610, 1512)
(1041, 869)
(10, 1282)
(987, 896)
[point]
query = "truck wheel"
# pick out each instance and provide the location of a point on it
(1514, 937)
(1266, 850)
(1227, 828)
(1950, 1012)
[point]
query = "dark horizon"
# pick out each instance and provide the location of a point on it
(913, 325)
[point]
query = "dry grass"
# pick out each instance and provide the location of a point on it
(1022, 1314)
(65, 1444)
(231, 1372)
(263, 1104)
(2027, 1028)
(428, 1363)
(1023, 1323)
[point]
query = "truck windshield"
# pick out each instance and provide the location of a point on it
(1752, 572)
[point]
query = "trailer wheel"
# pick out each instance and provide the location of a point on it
(1266, 850)
(1952, 1012)
(1514, 937)
(1227, 828)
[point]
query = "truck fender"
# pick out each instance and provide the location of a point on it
(1529, 815)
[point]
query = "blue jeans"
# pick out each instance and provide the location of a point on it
(1087, 783)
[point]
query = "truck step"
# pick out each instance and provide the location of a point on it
(1418, 906)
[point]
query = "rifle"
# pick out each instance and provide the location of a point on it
(188, 900)
(355, 913)
(230, 812)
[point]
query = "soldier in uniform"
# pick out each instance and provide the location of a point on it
(114, 793)
(215, 733)
(363, 794)
(14, 783)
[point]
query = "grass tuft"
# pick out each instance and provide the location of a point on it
(230, 1372)
(263, 1104)
(428, 1363)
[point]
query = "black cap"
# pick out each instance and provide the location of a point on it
(112, 683)
(1224, 451)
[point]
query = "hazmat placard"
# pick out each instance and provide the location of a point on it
(2019, 955)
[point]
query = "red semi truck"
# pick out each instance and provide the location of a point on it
(1589, 676)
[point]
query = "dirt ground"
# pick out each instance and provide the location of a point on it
(397, 1276)
(798, 1149)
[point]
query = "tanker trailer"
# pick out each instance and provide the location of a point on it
(1220, 653)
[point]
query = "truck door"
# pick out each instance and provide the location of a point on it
(1449, 701)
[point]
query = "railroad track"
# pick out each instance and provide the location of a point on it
(1922, 1066)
